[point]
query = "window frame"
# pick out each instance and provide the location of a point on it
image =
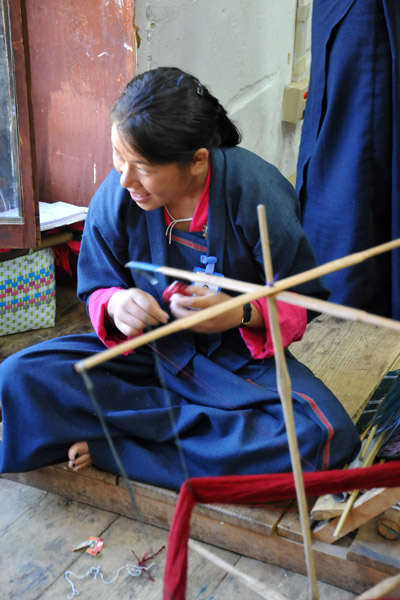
(27, 233)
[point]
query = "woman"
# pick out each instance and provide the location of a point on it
(182, 193)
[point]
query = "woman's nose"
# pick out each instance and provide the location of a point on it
(128, 177)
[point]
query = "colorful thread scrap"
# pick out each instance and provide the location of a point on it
(145, 558)
(93, 545)
(132, 570)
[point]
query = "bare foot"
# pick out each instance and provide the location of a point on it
(79, 456)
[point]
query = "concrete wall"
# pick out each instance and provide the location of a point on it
(242, 50)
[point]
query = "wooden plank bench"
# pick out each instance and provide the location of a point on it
(351, 358)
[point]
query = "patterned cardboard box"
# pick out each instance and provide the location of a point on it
(27, 292)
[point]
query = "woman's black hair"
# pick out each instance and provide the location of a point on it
(166, 115)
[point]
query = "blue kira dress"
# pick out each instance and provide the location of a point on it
(348, 175)
(207, 390)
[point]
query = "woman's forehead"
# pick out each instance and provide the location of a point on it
(126, 150)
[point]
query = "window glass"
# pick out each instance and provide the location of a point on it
(10, 188)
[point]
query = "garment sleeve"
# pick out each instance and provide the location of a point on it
(97, 308)
(105, 242)
(253, 182)
(292, 320)
(104, 253)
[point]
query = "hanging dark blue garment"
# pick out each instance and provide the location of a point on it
(348, 168)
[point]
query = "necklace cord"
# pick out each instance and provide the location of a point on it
(170, 226)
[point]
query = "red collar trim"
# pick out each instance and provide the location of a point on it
(200, 215)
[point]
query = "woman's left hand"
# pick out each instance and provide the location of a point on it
(201, 298)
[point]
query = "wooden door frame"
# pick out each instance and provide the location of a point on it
(26, 234)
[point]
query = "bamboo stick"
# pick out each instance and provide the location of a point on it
(255, 586)
(368, 461)
(285, 393)
(251, 292)
(283, 284)
(174, 327)
(368, 442)
(338, 310)
(355, 464)
(381, 589)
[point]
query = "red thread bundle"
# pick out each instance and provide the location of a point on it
(248, 489)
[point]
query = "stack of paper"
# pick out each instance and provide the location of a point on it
(58, 214)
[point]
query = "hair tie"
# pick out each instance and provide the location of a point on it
(200, 89)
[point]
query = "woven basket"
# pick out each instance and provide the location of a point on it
(27, 292)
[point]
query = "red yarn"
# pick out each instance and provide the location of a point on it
(248, 489)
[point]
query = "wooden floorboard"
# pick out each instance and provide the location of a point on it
(40, 524)
(351, 358)
(227, 527)
(39, 529)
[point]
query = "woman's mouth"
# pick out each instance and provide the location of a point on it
(139, 197)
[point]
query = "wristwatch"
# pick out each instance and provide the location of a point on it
(246, 315)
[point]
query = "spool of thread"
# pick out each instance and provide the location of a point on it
(389, 524)
(176, 287)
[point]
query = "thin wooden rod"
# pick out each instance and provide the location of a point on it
(285, 394)
(255, 586)
(381, 589)
(338, 310)
(282, 284)
(367, 462)
(368, 441)
(174, 327)
(255, 291)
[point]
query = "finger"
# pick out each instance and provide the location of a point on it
(133, 321)
(128, 325)
(150, 311)
(180, 305)
(198, 290)
(196, 302)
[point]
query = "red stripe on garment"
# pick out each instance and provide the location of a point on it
(318, 412)
(253, 382)
(193, 245)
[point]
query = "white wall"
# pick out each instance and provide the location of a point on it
(242, 50)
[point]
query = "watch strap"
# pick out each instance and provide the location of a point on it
(246, 315)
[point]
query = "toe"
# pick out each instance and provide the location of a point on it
(79, 456)
(77, 450)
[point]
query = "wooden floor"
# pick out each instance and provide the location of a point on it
(38, 528)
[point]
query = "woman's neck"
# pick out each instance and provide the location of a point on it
(183, 208)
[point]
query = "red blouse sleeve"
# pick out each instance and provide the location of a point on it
(109, 335)
(293, 322)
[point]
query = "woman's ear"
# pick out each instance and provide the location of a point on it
(199, 161)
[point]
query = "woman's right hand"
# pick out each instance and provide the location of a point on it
(133, 309)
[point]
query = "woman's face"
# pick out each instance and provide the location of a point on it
(149, 185)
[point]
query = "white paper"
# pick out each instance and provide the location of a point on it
(57, 214)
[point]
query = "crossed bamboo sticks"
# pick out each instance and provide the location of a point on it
(250, 292)
(272, 292)
(285, 394)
